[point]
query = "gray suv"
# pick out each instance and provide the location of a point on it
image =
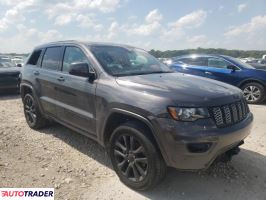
(147, 116)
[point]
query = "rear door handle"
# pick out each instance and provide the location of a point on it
(61, 79)
(36, 73)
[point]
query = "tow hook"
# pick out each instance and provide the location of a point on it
(227, 156)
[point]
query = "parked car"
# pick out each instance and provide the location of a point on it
(146, 115)
(17, 61)
(258, 66)
(262, 61)
(9, 75)
(227, 69)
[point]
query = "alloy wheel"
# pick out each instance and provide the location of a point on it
(130, 157)
(30, 110)
(252, 93)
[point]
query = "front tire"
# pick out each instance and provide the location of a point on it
(32, 113)
(135, 158)
(254, 92)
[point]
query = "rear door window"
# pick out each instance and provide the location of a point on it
(197, 61)
(217, 63)
(52, 58)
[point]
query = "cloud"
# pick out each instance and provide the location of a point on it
(241, 7)
(221, 7)
(152, 24)
(132, 17)
(192, 20)
(247, 36)
(54, 9)
(63, 19)
(178, 28)
(102, 5)
(50, 35)
(154, 16)
(3, 25)
(113, 29)
(256, 24)
(15, 13)
(85, 21)
(26, 38)
(145, 29)
(34, 34)
(197, 39)
(88, 21)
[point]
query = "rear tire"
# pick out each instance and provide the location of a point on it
(32, 113)
(135, 158)
(254, 92)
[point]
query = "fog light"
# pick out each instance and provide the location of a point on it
(199, 147)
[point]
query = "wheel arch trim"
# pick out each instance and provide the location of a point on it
(145, 120)
(28, 85)
(251, 80)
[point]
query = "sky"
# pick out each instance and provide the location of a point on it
(149, 24)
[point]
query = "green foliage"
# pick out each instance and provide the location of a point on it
(233, 53)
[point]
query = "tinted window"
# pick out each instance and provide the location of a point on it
(33, 60)
(73, 55)
(199, 61)
(217, 63)
(52, 58)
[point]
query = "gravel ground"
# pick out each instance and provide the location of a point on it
(79, 168)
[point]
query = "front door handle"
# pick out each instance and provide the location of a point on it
(36, 73)
(209, 73)
(61, 79)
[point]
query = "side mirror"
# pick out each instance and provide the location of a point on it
(232, 67)
(82, 70)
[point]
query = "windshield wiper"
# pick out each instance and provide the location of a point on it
(161, 72)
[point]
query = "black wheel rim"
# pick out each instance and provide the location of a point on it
(30, 110)
(130, 157)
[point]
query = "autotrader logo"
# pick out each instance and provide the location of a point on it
(27, 193)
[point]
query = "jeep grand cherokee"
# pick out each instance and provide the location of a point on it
(147, 116)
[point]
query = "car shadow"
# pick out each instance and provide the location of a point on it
(242, 178)
(80, 142)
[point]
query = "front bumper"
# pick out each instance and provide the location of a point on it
(176, 138)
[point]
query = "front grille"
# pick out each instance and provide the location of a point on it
(229, 114)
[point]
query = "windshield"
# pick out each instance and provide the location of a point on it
(239, 62)
(120, 61)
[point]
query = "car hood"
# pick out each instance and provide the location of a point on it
(183, 89)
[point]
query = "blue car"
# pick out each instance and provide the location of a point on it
(226, 69)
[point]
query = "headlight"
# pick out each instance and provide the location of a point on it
(188, 114)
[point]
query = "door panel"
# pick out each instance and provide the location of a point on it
(47, 81)
(195, 70)
(195, 66)
(76, 107)
(217, 69)
(46, 78)
(76, 94)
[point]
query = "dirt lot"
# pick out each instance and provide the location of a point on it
(78, 168)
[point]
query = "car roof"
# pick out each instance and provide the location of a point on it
(86, 43)
(199, 55)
